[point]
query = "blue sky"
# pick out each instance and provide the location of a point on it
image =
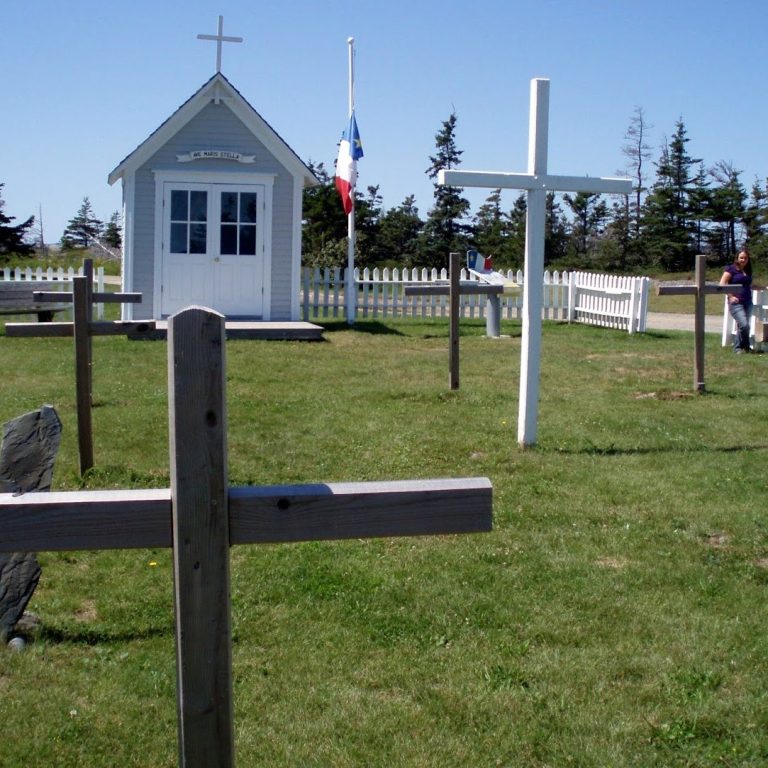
(85, 82)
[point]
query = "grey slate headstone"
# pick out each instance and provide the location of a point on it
(27, 455)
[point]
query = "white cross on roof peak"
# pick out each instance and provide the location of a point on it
(220, 38)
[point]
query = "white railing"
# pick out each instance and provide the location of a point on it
(759, 318)
(605, 300)
(55, 275)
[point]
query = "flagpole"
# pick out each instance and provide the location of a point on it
(351, 288)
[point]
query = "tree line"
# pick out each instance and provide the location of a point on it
(24, 240)
(679, 207)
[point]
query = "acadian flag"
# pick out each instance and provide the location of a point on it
(350, 151)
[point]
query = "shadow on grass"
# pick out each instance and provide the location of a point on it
(372, 327)
(99, 635)
(426, 329)
(614, 450)
(654, 334)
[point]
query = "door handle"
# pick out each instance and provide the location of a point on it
(217, 259)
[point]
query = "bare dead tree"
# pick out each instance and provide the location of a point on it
(637, 151)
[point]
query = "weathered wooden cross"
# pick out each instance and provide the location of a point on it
(699, 290)
(83, 328)
(200, 517)
(220, 38)
(537, 182)
(454, 289)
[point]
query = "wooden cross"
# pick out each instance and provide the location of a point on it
(453, 290)
(220, 38)
(699, 289)
(83, 328)
(537, 182)
(200, 517)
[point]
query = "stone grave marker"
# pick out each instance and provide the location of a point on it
(27, 454)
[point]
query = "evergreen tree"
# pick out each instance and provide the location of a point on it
(727, 207)
(113, 231)
(501, 234)
(668, 224)
(615, 250)
(12, 236)
(514, 255)
(367, 227)
(699, 203)
(445, 230)
(324, 225)
(399, 232)
(83, 228)
(756, 221)
(491, 228)
(590, 212)
(555, 232)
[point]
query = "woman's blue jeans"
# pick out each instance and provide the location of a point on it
(740, 313)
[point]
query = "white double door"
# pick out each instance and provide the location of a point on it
(213, 250)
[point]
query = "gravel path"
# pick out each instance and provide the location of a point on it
(667, 321)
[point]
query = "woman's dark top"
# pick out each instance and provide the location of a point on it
(738, 277)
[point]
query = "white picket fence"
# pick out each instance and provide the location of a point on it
(758, 320)
(611, 301)
(579, 297)
(55, 275)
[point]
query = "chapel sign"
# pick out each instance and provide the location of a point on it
(215, 154)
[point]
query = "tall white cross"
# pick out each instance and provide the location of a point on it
(537, 182)
(220, 38)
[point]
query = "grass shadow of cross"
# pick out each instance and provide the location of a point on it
(372, 327)
(614, 450)
(97, 635)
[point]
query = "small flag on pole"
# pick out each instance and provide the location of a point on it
(350, 151)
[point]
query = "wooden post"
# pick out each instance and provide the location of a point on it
(698, 323)
(699, 290)
(453, 348)
(199, 495)
(83, 372)
(200, 516)
(88, 275)
(453, 290)
(82, 329)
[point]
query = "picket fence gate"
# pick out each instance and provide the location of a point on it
(59, 275)
(577, 297)
(758, 337)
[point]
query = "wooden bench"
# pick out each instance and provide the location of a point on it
(16, 299)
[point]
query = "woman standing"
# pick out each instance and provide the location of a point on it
(740, 304)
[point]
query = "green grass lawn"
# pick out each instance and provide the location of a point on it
(614, 617)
